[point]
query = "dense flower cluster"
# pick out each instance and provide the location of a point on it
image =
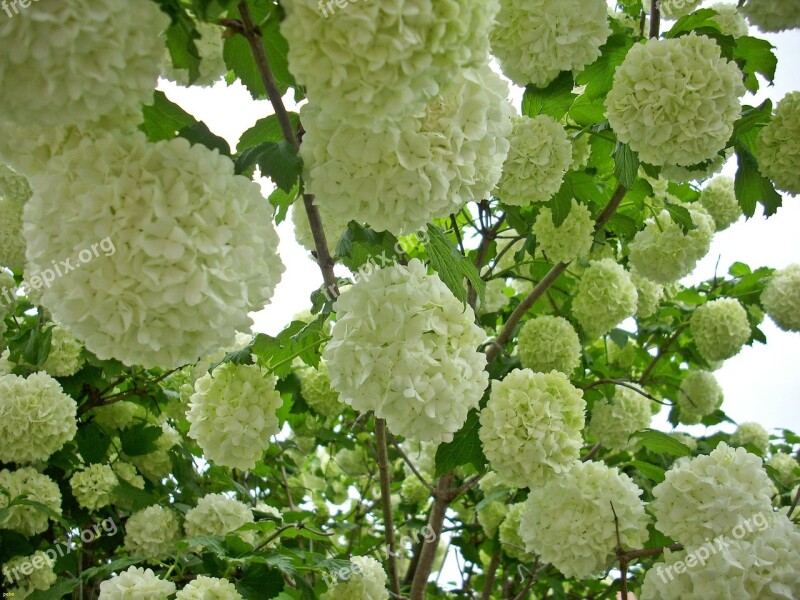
(699, 395)
(93, 487)
(720, 328)
(406, 348)
(649, 295)
(53, 62)
(534, 40)
(216, 514)
(580, 538)
(212, 66)
(209, 588)
(138, 583)
(40, 578)
(730, 20)
(581, 152)
(612, 422)
(23, 519)
(781, 298)
(422, 166)
(719, 199)
(232, 414)
(778, 149)
(662, 253)
(785, 467)
(65, 357)
(367, 582)
(495, 299)
(157, 464)
(490, 516)
(510, 539)
(606, 296)
(537, 161)
(119, 415)
(684, 115)
(709, 495)
(36, 417)
(753, 434)
(152, 532)
(773, 15)
(531, 426)
(12, 244)
(315, 385)
(548, 343)
(570, 240)
(13, 186)
(166, 293)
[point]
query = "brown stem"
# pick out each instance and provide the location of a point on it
(591, 453)
(427, 556)
(655, 18)
(648, 552)
(490, 575)
(386, 498)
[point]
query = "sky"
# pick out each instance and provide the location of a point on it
(761, 384)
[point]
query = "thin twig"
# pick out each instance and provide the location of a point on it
(490, 575)
(626, 384)
(386, 500)
(592, 453)
(655, 18)
(411, 466)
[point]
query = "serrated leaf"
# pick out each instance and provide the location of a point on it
(701, 18)
(752, 187)
(362, 250)
(465, 448)
(137, 498)
(277, 160)
(140, 439)
(626, 164)
(681, 216)
(182, 36)
(298, 340)
(660, 443)
(560, 205)
(164, 119)
(554, 100)
(199, 133)
(267, 129)
(259, 582)
(755, 56)
(599, 76)
(652, 472)
(93, 443)
(452, 267)
(239, 59)
(281, 201)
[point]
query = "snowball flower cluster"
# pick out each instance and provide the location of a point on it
(66, 68)
(709, 495)
(216, 514)
(42, 577)
(570, 240)
(605, 297)
(12, 244)
(548, 343)
(778, 149)
(209, 588)
(613, 422)
(684, 113)
(194, 248)
(751, 433)
(720, 328)
(649, 295)
(699, 395)
(152, 532)
(13, 186)
(23, 519)
(406, 348)
(119, 415)
(785, 467)
(429, 164)
(510, 539)
(65, 357)
(531, 426)
(138, 583)
(36, 417)
(534, 40)
(730, 20)
(157, 464)
(719, 199)
(781, 298)
(537, 161)
(490, 516)
(581, 152)
(580, 538)
(212, 65)
(773, 15)
(495, 298)
(367, 582)
(93, 487)
(232, 414)
(662, 253)
(315, 386)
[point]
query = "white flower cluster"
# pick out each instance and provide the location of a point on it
(212, 66)
(24, 519)
(167, 293)
(539, 157)
(510, 538)
(429, 164)
(569, 241)
(14, 186)
(672, 9)
(778, 149)
(707, 496)
(315, 386)
(216, 514)
(40, 578)
(580, 537)
(605, 297)
(773, 15)
(719, 199)
(751, 433)
(66, 68)
(720, 328)
(685, 113)
(406, 348)
(209, 588)
(612, 422)
(65, 357)
(152, 532)
(534, 40)
(496, 299)
(730, 20)
(157, 464)
(581, 152)
(36, 417)
(699, 395)
(781, 298)
(217, 355)
(138, 583)
(367, 582)
(233, 414)
(93, 487)
(119, 415)
(12, 244)
(548, 343)
(662, 253)
(785, 467)
(649, 295)
(531, 426)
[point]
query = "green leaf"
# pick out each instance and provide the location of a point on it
(652, 472)
(363, 250)
(139, 439)
(661, 443)
(739, 269)
(554, 100)
(93, 443)
(267, 129)
(754, 55)
(282, 201)
(465, 448)
(181, 38)
(277, 160)
(239, 59)
(297, 340)
(752, 187)
(699, 19)
(598, 77)
(626, 164)
(260, 581)
(560, 205)
(58, 590)
(278, 52)
(138, 499)
(199, 133)
(681, 216)
(164, 119)
(452, 267)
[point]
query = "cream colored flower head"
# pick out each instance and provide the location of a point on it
(781, 298)
(778, 149)
(605, 297)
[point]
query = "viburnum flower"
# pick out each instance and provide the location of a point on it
(778, 149)
(699, 395)
(534, 40)
(209, 588)
(65, 357)
(216, 514)
(678, 174)
(21, 518)
(496, 299)
(570, 240)
(510, 538)
(315, 386)
(751, 433)
(730, 20)
(581, 152)
(539, 157)
(719, 199)
(119, 415)
(662, 253)
(12, 244)
(13, 186)
(367, 581)
(672, 9)
(36, 417)
(138, 583)
(429, 164)
(685, 113)
(157, 464)
(152, 532)
(688, 504)
(531, 426)
(786, 468)
(212, 65)
(580, 537)
(605, 297)
(68, 69)
(614, 421)
(773, 15)
(233, 414)
(406, 348)
(649, 295)
(548, 343)
(93, 487)
(781, 298)
(128, 473)
(720, 328)
(165, 293)
(27, 580)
